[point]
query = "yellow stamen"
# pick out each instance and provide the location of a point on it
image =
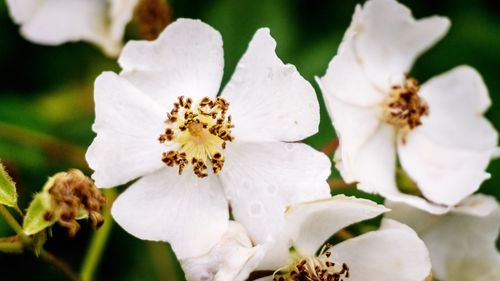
(201, 132)
(318, 268)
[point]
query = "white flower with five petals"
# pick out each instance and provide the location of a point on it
(392, 253)
(461, 243)
(53, 22)
(437, 131)
(160, 121)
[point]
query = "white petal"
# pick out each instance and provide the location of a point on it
(128, 125)
(367, 155)
(387, 39)
(445, 175)
(462, 246)
(189, 213)
(479, 205)
(310, 224)
(22, 10)
(346, 80)
(356, 127)
(186, 60)
(53, 22)
(496, 153)
(417, 202)
(120, 13)
(457, 100)
(374, 163)
(231, 259)
(270, 100)
(393, 253)
(447, 155)
(261, 180)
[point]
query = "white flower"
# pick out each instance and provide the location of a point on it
(436, 131)
(231, 259)
(257, 165)
(462, 242)
(394, 252)
(496, 154)
(53, 22)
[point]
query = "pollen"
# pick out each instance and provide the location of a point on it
(404, 108)
(318, 268)
(201, 132)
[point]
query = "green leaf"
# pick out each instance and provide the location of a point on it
(8, 194)
(38, 214)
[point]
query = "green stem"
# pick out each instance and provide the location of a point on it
(14, 224)
(11, 245)
(98, 243)
(339, 184)
(330, 147)
(60, 265)
(53, 146)
(27, 242)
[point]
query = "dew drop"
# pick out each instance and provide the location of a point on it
(246, 185)
(256, 208)
(271, 189)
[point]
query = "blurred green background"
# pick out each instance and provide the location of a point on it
(46, 103)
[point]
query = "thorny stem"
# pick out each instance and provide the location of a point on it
(53, 146)
(98, 243)
(27, 243)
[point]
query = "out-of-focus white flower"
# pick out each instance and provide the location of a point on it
(231, 259)
(240, 147)
(394, 252)
(53, 22)
(462, 242)
(437, 131)
(496, 154)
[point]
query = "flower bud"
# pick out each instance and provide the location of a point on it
(66, 197)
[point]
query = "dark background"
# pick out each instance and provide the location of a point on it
(46, 107)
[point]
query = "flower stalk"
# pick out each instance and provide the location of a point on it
(99, 240)
(26, 242)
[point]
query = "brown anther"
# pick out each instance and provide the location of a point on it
(167, 136)
(71, 192)
(404, 107)
(318, 268)
(201, 131)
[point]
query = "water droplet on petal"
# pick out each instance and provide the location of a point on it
(256, 208)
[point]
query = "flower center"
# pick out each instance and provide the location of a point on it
(403, 107)
(318, 268)
(201, 132)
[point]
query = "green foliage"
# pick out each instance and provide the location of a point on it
(38, 214)
(8, 194)
(48, 91)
